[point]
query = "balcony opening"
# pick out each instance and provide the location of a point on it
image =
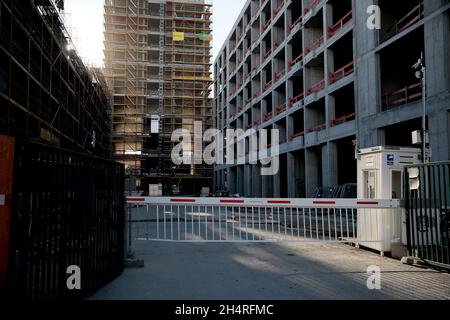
(315, 116)
(247, 17)
(313, 33)
(256, 115)
(341, 15)
(314, 170)
(266, 18)
(283, 176)
(279, 31)
(279, 66)
(280, 99)
(295, 10)
(267, 75)
(347, 166)
(295, 84)
(269, 111)
(398, 16)
(399, 85)
(281, 126)
(255, 6)
(298, 122)
(399, 135)
(295, 51)
(314, 75)
(266, 48)
(342, 58)
(256, 87)
(344, 106)
(299, 174)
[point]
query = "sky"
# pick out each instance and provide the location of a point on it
(85, 19)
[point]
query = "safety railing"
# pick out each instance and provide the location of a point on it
(343, 119)
(332, 30)
(295, 24)
(266, 220)
(311, 6)
(316, 44)
(295, 99)
(341, 73)
(292, 63)
(403, 96)
(316, 88)
(413, 16)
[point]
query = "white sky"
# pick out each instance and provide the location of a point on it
(86, 18)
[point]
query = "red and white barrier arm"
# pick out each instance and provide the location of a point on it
(264, 202)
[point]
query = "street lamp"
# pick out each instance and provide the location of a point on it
(421, 74)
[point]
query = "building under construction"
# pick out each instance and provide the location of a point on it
(157, 63)
(46, 92)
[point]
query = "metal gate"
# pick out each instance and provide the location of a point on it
(427, 202)
(266, 220)
(67, 210)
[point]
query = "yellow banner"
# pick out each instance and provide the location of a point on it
(178, 36)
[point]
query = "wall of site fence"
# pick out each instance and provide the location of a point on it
(427, 195)
(67, 209)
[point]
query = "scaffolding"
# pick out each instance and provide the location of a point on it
(46, 92)
(160, 83)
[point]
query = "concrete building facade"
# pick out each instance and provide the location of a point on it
(319, 72)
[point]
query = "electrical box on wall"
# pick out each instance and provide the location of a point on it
(380, 172)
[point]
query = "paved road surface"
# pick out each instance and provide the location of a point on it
(268, 271)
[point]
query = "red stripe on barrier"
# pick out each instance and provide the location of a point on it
(231, 201)
(182, 200)
(135, 199)
(324, 202)
(366, 203)
(278, 202)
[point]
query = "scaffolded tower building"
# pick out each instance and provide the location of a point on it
(157, 63)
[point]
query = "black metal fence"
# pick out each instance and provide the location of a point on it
(68, 210)
(427, 201)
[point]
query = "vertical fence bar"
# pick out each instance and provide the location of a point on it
(7, 154)
(446, 219)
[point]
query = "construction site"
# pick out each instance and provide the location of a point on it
(313, 70)
(157, 65)
(47, 94)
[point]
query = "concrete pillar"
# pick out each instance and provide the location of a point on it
(370, 138)
(439, 128)
(437, 55)
(267, 186)
(240, 180)
(291, 176)
(311, 172)
(276, 180)
(330, 109)
(289, 127)
(329, 164)
(232, 181)
(256, 181)
(367, 89)
(300, 182)
(247, 180)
